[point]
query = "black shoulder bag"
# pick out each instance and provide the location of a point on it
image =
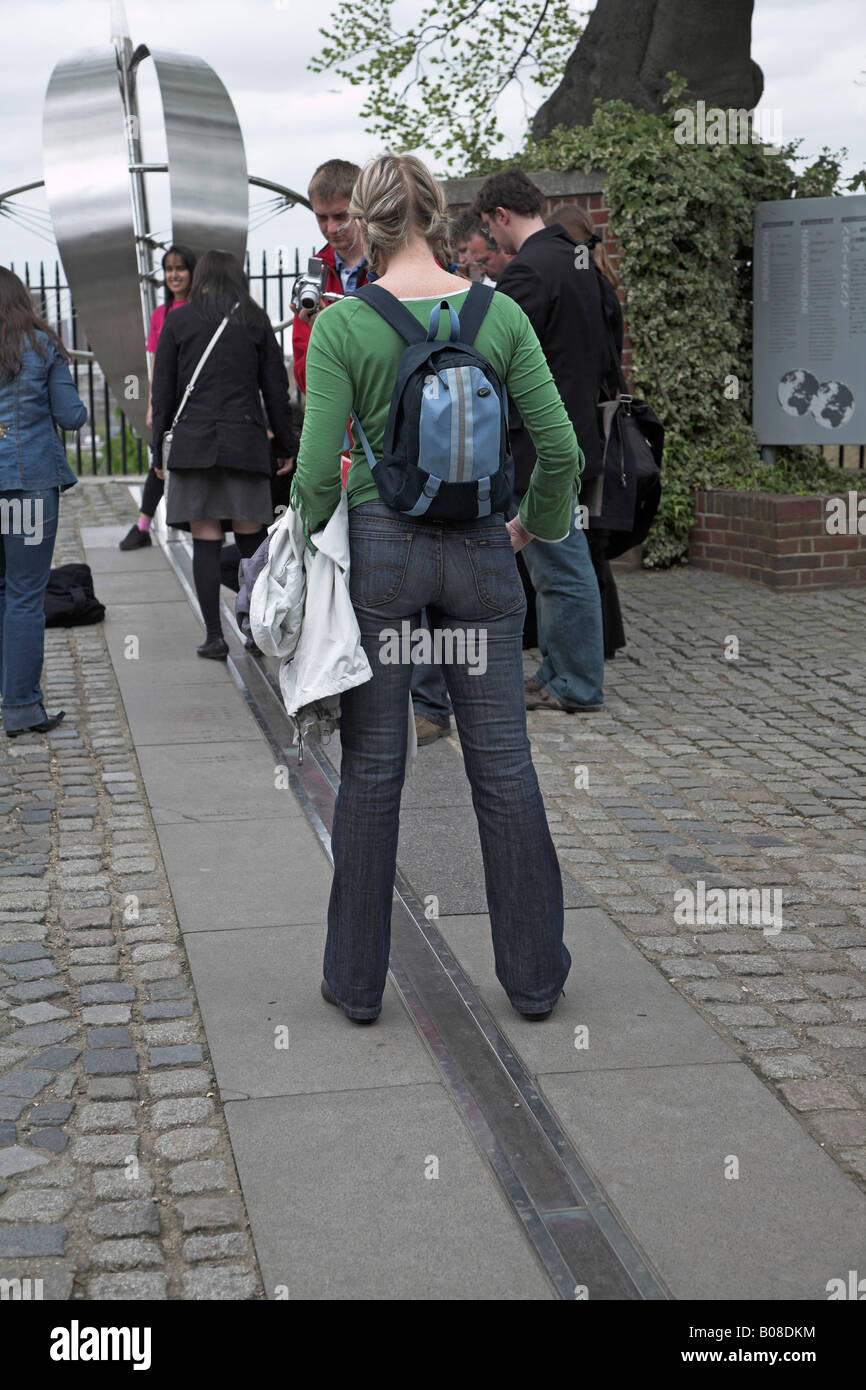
(624, 498)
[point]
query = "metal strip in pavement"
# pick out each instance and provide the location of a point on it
(583, 1245)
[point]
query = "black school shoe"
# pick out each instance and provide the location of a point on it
(216, 648)
(332, 999)
(135, 539)
(44, 727)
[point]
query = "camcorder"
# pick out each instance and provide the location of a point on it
(308, 291)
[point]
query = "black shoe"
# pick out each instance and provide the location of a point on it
(217, 648)
(252, 647)
(538, 1018)
(332, 999)
(135, 539)
(48, 723)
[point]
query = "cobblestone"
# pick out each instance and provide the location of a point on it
(110, 1182)
(108, 1115)
(224, 1282)
(204, 1176)
(207, 1213)
(167, 1113)
(126, 1254)
(132, 1218)
(128, 1287)
(213, 1247)
(186, 1143)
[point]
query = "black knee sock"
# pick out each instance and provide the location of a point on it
(206, 577)
(153, 490)
(248, 542)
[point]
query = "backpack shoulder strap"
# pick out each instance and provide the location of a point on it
(392, 311)
(475, 306)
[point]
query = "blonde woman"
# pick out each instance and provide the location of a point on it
(464, 573)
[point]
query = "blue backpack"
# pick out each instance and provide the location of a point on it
(446, 450)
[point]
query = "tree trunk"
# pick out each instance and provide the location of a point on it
(629, 45)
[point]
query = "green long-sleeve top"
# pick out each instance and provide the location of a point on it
(352, 362)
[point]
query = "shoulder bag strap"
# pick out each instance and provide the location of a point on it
(201, 361)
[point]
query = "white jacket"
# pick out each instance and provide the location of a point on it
(301, 611)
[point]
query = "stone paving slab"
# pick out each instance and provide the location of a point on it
(256, 981)
(201, 782)
(731, 1196)
(617, 1011)
(278, 873)
(349, 1208)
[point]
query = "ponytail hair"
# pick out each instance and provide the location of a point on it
(393, 196)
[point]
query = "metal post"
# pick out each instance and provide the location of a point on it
(126, 73)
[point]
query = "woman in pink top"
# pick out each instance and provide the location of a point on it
(178, 265)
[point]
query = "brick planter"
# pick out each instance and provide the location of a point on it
(780, 541)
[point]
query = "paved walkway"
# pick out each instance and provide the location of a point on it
(740, 773)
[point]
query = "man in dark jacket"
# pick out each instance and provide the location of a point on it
(553, 284)
(343, 253)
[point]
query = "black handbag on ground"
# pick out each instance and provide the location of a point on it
(624, 498)
(69, 597)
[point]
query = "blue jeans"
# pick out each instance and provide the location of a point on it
(24, 569)
(429, 691)
(466, 576)
(568, 610)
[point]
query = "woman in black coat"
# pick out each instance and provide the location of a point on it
(220, 464)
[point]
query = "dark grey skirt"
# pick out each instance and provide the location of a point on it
(217, 494)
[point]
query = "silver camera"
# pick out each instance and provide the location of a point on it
(308, 291)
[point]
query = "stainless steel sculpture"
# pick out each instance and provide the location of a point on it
(97, 197)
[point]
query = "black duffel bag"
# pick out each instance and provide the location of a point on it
(69, 597)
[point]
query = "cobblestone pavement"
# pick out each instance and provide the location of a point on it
(116, 1176)
(746, 772)
(738, 765)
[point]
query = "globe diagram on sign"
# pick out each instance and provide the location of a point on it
(833, 404)
(796, 391)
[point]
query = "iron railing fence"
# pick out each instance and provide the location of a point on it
(108, 445)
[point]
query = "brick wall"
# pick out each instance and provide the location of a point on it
(584, 189)
(779, 541)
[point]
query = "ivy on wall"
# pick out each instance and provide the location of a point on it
(683, 215)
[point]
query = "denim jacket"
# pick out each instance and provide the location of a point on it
(39, 396)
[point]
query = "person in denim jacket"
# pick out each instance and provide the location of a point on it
(36, 394)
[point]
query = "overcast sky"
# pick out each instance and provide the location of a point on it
(813, 56)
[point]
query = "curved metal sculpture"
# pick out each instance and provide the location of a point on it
(97, 197)
(87, 183)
